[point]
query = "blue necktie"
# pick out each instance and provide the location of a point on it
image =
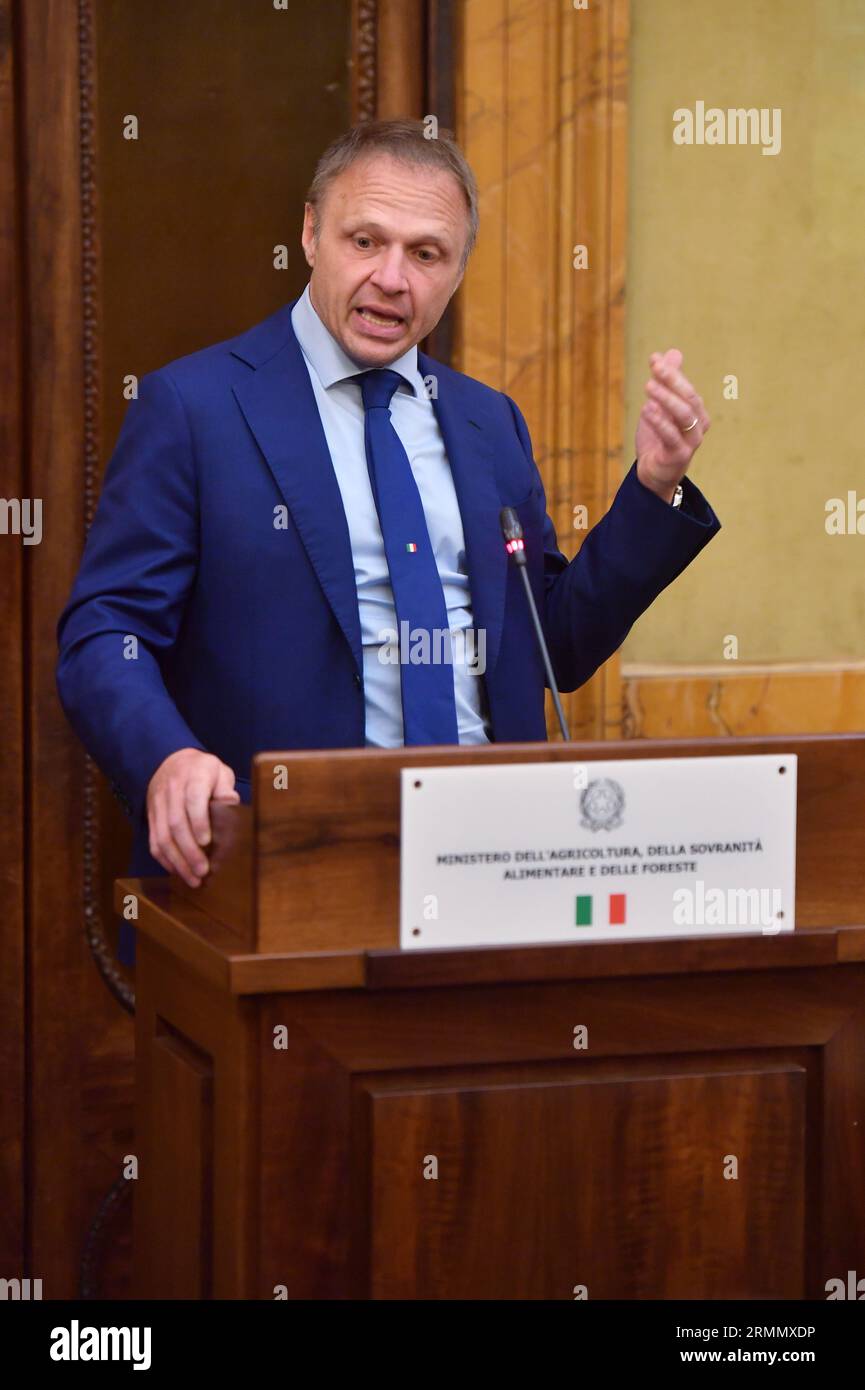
(428, 704)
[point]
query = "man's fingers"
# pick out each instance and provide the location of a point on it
(181, 830)
(647, 421)
(695, 404)
(178, 810)
(667, 429)
(162, 845)
(667, 367)
(672, 378)
(670, 361)
(198, 793)
(224, 788)
(683, 412)
(668, 376)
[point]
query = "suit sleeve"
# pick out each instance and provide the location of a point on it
(639, 547)
(128, 599)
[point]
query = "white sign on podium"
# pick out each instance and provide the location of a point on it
(523, 853)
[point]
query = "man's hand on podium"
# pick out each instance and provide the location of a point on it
(672, 425)
(178, 798)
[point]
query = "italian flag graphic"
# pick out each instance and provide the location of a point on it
(616, 906)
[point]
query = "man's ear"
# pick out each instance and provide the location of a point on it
(307, 238)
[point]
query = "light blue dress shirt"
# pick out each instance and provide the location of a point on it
(341, 410)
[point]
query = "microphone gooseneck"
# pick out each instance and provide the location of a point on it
(515, 546)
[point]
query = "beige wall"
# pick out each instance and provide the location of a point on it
(753, 265)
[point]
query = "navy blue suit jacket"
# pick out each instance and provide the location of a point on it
(248, 635)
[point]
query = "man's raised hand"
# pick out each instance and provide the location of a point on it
(672, 425)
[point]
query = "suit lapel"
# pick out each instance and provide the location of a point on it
(279, 405)
(280, 408)
(468, 440)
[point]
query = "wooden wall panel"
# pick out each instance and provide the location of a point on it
(400, 77)
(720, 702)
(12, 486)
(79, 1041)
(541, 115)
(69, 277)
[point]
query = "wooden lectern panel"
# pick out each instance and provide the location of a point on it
(570, 1176)
(183, 1087)
(705, 1138)
(196, 1059)
(558, 1167)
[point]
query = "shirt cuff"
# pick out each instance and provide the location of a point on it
(693, 505)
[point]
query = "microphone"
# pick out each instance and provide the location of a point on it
(515, 546)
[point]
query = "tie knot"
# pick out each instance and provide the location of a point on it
(378, 386)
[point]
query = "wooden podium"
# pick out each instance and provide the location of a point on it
(299, 1079)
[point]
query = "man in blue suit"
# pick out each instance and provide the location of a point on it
(287, 512)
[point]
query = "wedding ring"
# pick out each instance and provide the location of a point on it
(693, 425)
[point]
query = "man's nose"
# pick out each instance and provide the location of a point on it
(389, 273)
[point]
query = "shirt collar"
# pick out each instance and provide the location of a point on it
(328, 358)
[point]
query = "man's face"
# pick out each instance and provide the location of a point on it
(387, 258)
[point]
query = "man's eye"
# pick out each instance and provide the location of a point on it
(363, 239)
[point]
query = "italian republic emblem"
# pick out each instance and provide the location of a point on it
(602, 805)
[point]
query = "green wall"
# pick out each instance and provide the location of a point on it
(755, 265)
